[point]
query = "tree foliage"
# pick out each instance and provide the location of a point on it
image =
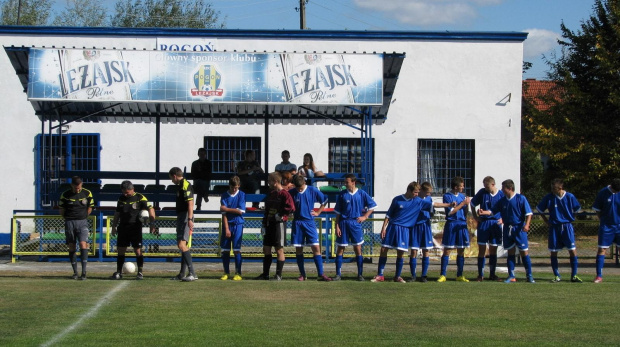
(31, 12)
(580, 132)
(82, 13)
(198, 14)
(166, 14)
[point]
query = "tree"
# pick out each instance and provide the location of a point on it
(580, 132)
(82, 13)
(166, 14)
(31, 12)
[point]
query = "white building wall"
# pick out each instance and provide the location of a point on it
(446, 90)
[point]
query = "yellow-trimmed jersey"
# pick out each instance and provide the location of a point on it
(185, 193)
(76, 204)
(129, 208)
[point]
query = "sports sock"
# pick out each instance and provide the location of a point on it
(267, 260)
(360, 265)
(413, 262)
(426, 261)
(600, 262)
(140, 261)
(527, 264)
(120, 260)
(279, 267)
(183, 266)
(84, 259)
(444, 264)
(338, 265)
(399, 267)
(481, 261)
(300, 264)
(510, 263)
(460, 263)
(73, 260)
(381, 266)
(492, 264)
(226, 261)
(574, 264)
(554, 266)
(318, 262)
(187, 255)
(238, 262)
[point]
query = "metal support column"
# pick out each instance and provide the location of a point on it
(367, 150)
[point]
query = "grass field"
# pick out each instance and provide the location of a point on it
(52, 310)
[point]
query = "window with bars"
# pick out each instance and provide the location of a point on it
(441, 160)
(226, 152)
(63, 153)
(345, 155)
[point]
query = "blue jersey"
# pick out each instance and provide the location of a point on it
(486, 201)
(405, 212)
(304, 202)
(561, 209)
(607, 204)
(425, 216)
(513, 210)
(459, 198)
(234, 201)
(352, 206)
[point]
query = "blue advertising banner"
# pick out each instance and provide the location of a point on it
(205, 77)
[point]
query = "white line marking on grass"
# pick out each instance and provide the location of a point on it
(91, 313)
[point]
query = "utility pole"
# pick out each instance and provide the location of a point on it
(19, 10)
(302, 14)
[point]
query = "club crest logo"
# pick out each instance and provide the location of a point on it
(207, 80)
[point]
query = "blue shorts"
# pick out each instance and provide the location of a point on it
(351, 233)
(515, 236)
(396, 236)
(455, 235)
(561, 236)
(608, 234)
(421, 237)
(304, 233)
(489, 232)
(236, 236)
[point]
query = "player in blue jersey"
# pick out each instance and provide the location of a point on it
(421, 236)
(516, 216)
(489, 229)
(607, 207)
(562, 207)
(455, 233)
(353, 207)
(399, 220)
(304, 228)
(232, 206)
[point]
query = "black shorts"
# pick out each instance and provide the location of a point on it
(275, 234)
(129, 235)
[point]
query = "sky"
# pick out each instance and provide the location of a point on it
(540, 18)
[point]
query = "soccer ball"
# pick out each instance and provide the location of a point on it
(129, 268)
(144, 216)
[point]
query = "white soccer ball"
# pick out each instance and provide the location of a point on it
(129, 268)
(144, 216)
